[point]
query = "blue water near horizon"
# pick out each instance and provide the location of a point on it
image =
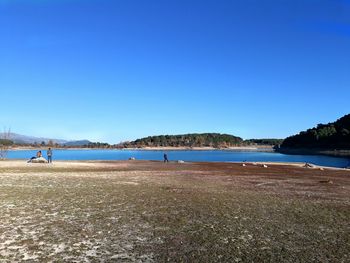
(186, 155)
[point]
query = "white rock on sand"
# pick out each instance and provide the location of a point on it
(39, 160)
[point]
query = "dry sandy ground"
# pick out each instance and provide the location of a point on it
(143, 211)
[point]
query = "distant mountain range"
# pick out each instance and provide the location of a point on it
(24, 139)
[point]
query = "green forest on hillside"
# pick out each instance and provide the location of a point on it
(335, 135)
(216, 140)
(271, 142)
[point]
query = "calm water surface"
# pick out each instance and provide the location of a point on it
(201, 156)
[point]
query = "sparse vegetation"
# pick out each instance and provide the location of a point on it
(5, 143)
(155, 212)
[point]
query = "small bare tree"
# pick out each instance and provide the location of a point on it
(50, 143)
(5, 143)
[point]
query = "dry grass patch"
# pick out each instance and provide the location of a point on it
(150, 212)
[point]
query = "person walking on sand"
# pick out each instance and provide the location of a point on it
(49, 155)
(166, 158)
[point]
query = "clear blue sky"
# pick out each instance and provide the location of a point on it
(119, 70)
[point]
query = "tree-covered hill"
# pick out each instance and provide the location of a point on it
(335, 135)
(216, 140)
(271, 142)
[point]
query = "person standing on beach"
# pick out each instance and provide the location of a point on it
(49, 155)
(166, 158)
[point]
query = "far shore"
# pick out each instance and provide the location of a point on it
(310, 151)
(256, 148)
(264, 148)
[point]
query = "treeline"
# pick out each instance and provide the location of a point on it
(335, 135)
(271, 142)
(6, 142)
(92, 145)
(98, 145)
(215, 140)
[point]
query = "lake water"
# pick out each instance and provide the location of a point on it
(196, 156)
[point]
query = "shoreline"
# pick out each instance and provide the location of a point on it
(105, 163)
(236, 148)
(305, 151)
(264, 148)
(257, 148)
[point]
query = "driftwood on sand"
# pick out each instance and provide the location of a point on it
(38, 160)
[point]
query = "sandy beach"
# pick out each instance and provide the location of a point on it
(149, 211)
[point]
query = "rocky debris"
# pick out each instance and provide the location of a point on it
(39, 160)
(307, 165)
(326, 181)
